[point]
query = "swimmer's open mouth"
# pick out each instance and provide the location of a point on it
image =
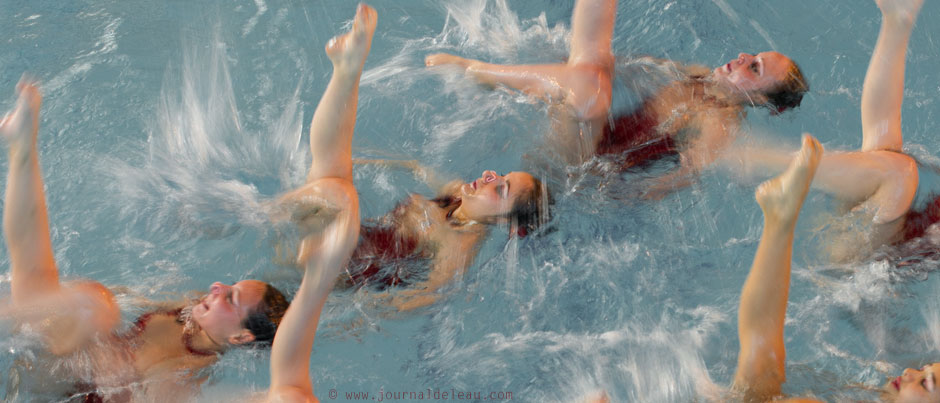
(728, 67)
(474, 184)
(896, 383)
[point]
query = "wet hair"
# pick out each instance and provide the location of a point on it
(263, 322)
(531, 209)
(789, 93)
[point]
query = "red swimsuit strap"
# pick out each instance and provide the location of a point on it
(141, 324)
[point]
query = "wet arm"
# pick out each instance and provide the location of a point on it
(539, 80)
(450, 262)
(686, 69)
(427, 175)
(714, 137)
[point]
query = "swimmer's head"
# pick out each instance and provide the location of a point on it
(767, 78)
(517, 198)
(247, 312)
(914, 385)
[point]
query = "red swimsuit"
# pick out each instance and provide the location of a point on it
(633, 140)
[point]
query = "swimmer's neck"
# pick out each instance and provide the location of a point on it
(161, 346)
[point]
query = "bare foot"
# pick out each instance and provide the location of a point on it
(903, 10)
(348, 51)
(596, 397)
(781, 198)
(20, 125)
(442, 59)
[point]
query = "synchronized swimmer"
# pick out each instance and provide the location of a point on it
(169, 346)
(696, 116)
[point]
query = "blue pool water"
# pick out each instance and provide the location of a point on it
(166, 124)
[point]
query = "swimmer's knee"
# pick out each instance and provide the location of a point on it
(85, 312)
(590, 93)
(94, 304)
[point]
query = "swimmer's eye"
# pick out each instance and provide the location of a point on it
(755, 67)
(504, 190)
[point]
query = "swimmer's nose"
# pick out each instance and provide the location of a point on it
(489, 176)
(742, 57)
(216, 288)
(907, 374)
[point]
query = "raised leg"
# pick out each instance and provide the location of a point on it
(25, 220)
(763, 306)
(331, 129)
(330, 180)
(881, 182)
(592, 27)
(69, 315)
(883, 91)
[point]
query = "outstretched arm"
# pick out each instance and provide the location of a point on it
(763, 306)
(427, 175)
(883, 91)
(716, 130)
(455, 255)
(330, 181)
(586, 88)
(583, 83)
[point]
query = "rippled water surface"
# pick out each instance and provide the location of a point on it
(167, 124)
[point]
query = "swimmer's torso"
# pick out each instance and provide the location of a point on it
(149, 364)
(665, 124)
(417, 229)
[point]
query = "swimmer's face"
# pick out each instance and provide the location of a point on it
(492, 196)
(221, 312)
(758, 73)
(915, 385)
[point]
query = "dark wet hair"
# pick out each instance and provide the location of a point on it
(531, 209)
(789, 93)
(263, 322)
